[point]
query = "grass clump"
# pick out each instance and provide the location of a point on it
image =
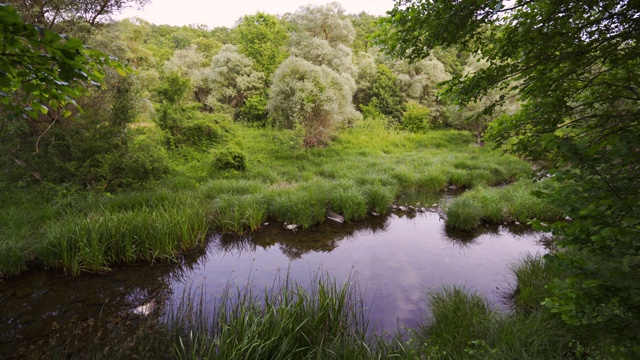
(511, 203)
(532, 274)
(286, 321)
(235, 214)
(379, 197)
(463, 325)
(463, 213)
(348, 201)
(102, 238)
(301, 205)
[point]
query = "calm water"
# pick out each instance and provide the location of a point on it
(394, 258)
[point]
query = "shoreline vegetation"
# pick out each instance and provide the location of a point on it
(362, 171)
(329, 320)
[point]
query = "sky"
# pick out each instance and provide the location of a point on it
(225, 13)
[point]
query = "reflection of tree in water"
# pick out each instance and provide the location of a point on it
(322, 238)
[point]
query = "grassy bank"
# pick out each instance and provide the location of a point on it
(364, 169)
(512, 203)
(329, 321)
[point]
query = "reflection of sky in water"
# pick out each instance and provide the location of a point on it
(395, 261)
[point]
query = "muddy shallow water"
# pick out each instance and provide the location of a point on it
(394, 258)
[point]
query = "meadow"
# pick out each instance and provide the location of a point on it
(364, 170)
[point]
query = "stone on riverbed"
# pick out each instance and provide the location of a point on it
(334, 217)
(291, 226)
(145, 309)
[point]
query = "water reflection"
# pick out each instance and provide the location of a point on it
(395, 257)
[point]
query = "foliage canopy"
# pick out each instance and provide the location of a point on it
(575, 67)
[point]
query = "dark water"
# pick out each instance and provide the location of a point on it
(394, 258)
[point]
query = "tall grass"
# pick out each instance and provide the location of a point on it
(93, 243)
(285, 321)
(510, 203)
(235, 214)
(327, 320)
(463, 325)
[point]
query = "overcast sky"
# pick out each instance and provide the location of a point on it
(226, 12)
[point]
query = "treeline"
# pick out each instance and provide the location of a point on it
(314, 71)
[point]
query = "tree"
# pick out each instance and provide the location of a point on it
(192, 64)
(263, 38)
(314, 97)
(364, 24)
(419, 82)
(575, 68)
(70, 16)
(385, 95)
(314, 88)
(43, 74)
(43, 71)
(322, 35)
(232, 78)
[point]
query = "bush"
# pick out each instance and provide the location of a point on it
(199, 134)
(229, 159)
(415, 118)
(145, 160)
(254, 110)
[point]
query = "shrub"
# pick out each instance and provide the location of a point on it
(415, 118)
(199, 134)
(229, 159)
(254, 109)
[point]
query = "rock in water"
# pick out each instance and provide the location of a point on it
(145, 309)
(334, 217)
(291, 226)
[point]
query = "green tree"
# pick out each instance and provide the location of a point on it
(191, 63)
(365, 25)
(385, 96)
(42, 73)
(575, 66)
(75, 17)
(263, 38)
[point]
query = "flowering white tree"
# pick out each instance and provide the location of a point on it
(314, 88)
(315, 97)
(232, 78)
(323, 35)
(192, 64)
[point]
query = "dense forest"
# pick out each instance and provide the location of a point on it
(124, 142)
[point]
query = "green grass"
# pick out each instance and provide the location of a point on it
(532, 274)
(93, 243)
(365, 169)
(237, 213)
(463, 325)
(515, 202)
(325, 320)
(286, 321)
